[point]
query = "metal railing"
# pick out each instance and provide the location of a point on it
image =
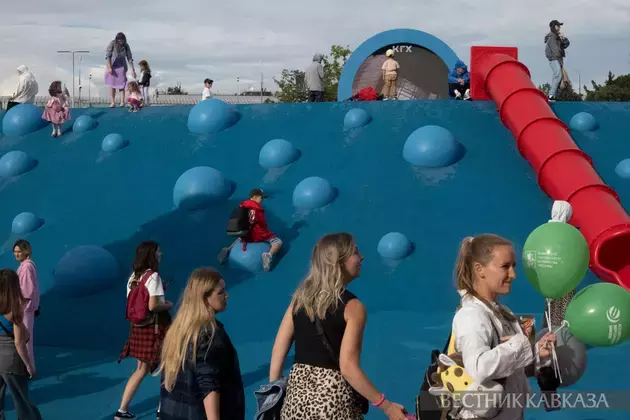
(161, 100)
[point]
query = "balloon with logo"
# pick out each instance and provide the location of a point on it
(555, 259)
(599, 315)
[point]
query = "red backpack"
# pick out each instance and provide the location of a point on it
(367, 94)
(138, 301)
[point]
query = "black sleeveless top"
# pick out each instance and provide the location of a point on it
(309, 348)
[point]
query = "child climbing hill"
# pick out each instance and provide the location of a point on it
(57, 110)
(256, 231)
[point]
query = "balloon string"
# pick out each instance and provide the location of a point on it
(554, 357)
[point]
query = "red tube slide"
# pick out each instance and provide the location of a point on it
(564, 171)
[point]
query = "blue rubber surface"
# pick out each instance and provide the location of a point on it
(87, 197)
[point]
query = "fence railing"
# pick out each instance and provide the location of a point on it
(161, 100)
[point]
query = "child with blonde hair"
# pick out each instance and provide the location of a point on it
(57, 110)
(134, 98)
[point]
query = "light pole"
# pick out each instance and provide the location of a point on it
(579, 82)
(73, 52)
(238, 79)
(261, 82)
(80, 87)
(90, 91)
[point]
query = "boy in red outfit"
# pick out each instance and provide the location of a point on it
(259, 232)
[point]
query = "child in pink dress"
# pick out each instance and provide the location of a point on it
(57, 110)
(134, 98)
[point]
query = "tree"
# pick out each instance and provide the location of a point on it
(292, 83)
(176, 90)
(564, 93)
(614, 89)
(333, 64)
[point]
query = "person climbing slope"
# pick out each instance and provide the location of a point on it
(252, 230)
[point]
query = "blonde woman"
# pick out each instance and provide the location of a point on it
(326, 322)
(492, 342)
(201, 376)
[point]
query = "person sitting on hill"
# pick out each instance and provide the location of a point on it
(258, 230)
(459, 81)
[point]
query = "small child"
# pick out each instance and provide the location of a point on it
(259, 232)
(207, 85)
(57, 110)
(145, 80)
(134, 99)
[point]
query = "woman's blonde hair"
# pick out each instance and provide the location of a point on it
(194, 317)
(321, 290)
(478, 249)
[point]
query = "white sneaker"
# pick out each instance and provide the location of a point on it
(267, 257)
(467, 95)
(458, 95)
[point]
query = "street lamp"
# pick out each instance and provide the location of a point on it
(90, 91)
(73, 52)
(261, 82)
(579, 82)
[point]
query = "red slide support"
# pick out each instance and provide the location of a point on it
(563, 170)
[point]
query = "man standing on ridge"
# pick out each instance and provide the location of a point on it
(555, 44)
(315, 79)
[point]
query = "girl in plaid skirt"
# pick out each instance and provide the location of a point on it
(145, 340)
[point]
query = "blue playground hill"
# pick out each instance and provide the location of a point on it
(110, 201)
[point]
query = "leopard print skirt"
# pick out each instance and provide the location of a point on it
(315, 393)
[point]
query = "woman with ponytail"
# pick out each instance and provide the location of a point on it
(493, 345)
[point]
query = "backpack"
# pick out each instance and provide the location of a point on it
(138, 312)
(238, 223)
(439, 388)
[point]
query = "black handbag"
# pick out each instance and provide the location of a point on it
(361, 400)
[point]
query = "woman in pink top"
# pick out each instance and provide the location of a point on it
(27, 272)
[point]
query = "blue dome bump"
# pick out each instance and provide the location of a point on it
(249, 260)
(432, 146)
(211, 116)
(23, 119)
(15, 163)
(356, 118)
(583, 121)
(277, 153)
(25, 223)
(394, 246)
(83, 123)
(312, 193)
(113, 142)
(86, 270)
(199, 187)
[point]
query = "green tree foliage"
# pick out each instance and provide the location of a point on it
(292, 86)
(176, 90)
(566, 93)
(614, 89)
(292, 83)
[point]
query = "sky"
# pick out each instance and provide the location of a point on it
(186, 41)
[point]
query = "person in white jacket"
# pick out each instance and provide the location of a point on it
(27, 88)
(492, 342)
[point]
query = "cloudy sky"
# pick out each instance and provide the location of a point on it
(188, 40)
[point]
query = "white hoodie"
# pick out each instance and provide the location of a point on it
(474, 338)
(27, 86)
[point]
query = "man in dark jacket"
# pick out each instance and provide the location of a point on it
(555, 44)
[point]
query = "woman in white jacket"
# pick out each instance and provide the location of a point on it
(489, 336)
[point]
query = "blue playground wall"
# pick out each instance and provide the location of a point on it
(116, 201)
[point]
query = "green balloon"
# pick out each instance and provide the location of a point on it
(555, 259)
(599, 315)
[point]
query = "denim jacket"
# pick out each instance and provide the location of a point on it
(269, 399)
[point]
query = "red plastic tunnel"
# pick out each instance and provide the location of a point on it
(564, 171)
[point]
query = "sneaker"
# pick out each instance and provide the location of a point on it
(551, 98)
(458, 94)
(267, 257)
(467, 95)
(223, 255)
(125, 415)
